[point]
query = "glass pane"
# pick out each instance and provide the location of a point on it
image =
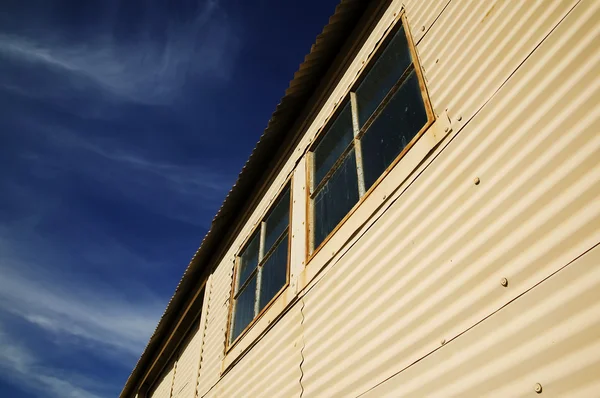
(249, 258)
(386, 71)
(244, 309)
(335, 199)
(274, 273)
(336, 139)
(278, 220)
(393, 129)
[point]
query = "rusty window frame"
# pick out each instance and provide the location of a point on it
(359, 132)
(263, 257)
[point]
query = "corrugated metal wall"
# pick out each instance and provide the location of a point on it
(216, 325)
(549, 336)
(416, 306)
(431, 267)
(474, 46)
(272, 367)
(164, 386)
(184, 383)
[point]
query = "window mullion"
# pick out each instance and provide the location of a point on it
(309, 190)
(357, 145)
(261, 253)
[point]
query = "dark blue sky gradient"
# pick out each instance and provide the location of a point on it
(123, 124)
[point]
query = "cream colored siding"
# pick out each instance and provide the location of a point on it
(216, 325)
(298, 219)
(272, 368)
(164, 384)
(549, 336)
(422, 14)
(184, 383)
(430, 268)
(202, 331)
(474, 47)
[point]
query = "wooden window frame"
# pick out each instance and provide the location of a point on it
(358, 132)
(288, 185)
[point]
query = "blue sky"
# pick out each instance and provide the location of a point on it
(123, 124)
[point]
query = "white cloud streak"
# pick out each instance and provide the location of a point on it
(186, 180)
(22, 368)
(147, 71)
(192, 188)
(92, 318)
(101, 318)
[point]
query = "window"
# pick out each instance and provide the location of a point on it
(384, 113)
(262, 266)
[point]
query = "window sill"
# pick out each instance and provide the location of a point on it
(362, 215)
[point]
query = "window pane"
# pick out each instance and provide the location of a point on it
(335, 199)
(386, 71)
(274, 273)
(249, 258)
(244, 308)
(336, 139)
(393, 129)
(278, 220)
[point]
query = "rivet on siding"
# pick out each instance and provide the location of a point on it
(459, 118)
(423, 28)
(446, 129)
(538, 388)
(476, 180)
(504, 282)
(443, 342)
(384, 197)
(292, 236)
(437, 60)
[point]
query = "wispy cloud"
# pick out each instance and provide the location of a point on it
(187, 180)
(180, 190)
(22, 367)
(73, 314)
(101, 317)
(145, 71)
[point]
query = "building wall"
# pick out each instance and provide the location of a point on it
(411, 302)
(272, 367)
(164, 386)
(188, 362)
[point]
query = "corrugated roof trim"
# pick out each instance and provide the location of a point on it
(301, 88)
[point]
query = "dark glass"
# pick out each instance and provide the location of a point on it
(336, 139)
(278, 220)
(244, 308)
(393, 129)
(335, 199)
(274, 273)
(386, 71)
(249, 258)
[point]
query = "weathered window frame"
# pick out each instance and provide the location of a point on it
(287, 186)
(349, 96)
